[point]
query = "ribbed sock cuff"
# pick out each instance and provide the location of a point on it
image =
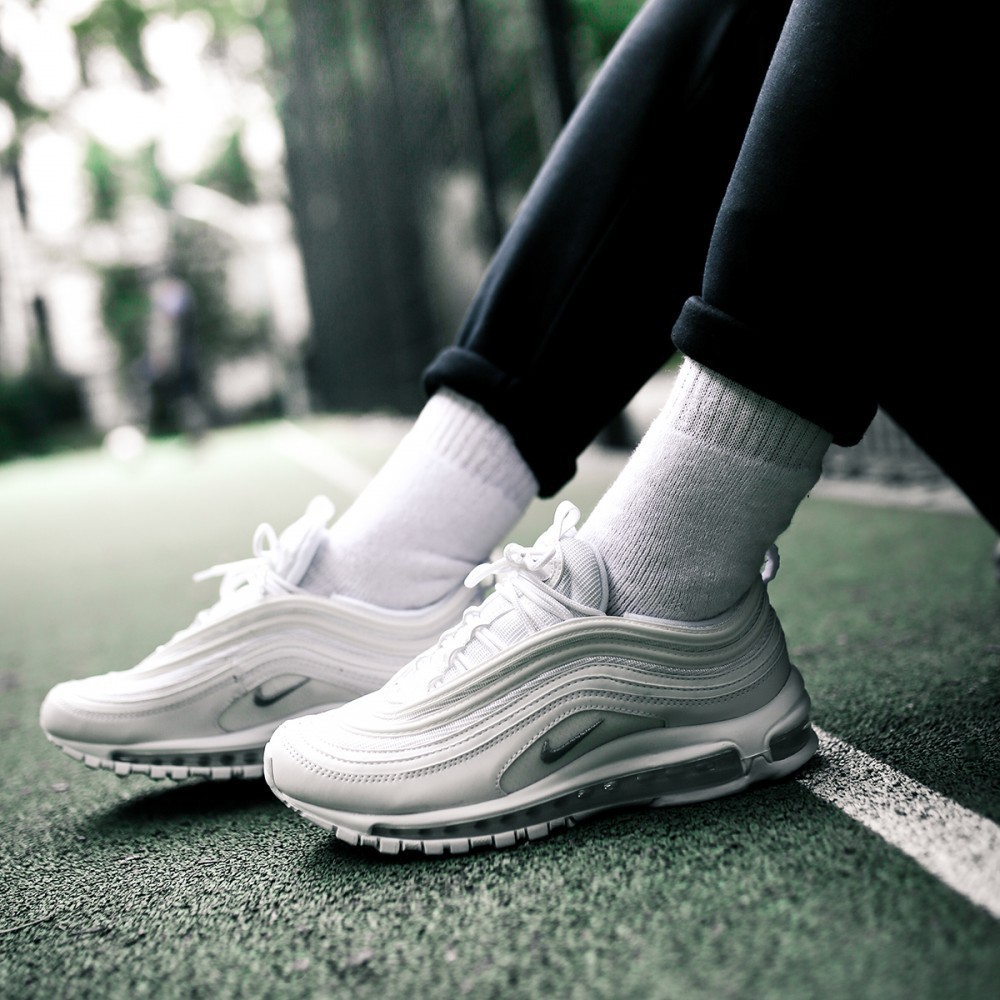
(708, 406)
(462, 433)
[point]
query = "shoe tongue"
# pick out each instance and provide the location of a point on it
(575, 570)
(301, 540)
(578, 573)
(299, 556)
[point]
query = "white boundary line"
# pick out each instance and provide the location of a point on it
(956, 845)
(953, 843)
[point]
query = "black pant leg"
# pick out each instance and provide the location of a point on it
(788, 290)
(574, 313)
(846, 270)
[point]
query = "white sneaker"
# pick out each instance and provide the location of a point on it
(539, 709)
(206, 702)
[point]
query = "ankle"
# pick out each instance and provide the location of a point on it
(453, 489)
(713, 483)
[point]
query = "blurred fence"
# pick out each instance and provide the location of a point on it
(886, 454)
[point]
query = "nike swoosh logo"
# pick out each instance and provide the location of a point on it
(551, 754)
(262, 700)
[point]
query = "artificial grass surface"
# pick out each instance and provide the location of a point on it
(121, 888)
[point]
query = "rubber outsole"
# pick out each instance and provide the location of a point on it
(702, 777)
(217, 758)
(246, 763)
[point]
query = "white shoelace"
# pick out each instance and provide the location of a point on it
(521, 577)
(265, 573)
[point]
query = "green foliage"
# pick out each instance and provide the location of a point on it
(118, 23)
(104, 172)
(231, 174)
(228, 16)
(11, 72)
(23, 110)
(32, 406)
(125, 310)
(602, 21)
(271, 17)
(156, 185)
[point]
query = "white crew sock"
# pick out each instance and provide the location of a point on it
(718, 476)
(449, 493)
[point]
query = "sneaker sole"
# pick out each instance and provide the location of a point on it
(219, 758)
(711, 766)
(243, 763)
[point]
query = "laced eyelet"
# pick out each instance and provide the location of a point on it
(517, 571)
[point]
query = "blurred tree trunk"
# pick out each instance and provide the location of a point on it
(557, 24)
(479, 131)
(389, 101)
(357, 174)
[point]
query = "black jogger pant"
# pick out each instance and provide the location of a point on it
(825, 201)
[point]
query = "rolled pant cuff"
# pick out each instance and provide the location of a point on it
(789, 371)
(507, 400)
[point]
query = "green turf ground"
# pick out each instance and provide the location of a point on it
(129, 888)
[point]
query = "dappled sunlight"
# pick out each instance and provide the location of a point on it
(141, 146)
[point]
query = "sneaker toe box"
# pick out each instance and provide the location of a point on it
(94, 711)
(302, 762)
(289, 766)
(70, 712)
